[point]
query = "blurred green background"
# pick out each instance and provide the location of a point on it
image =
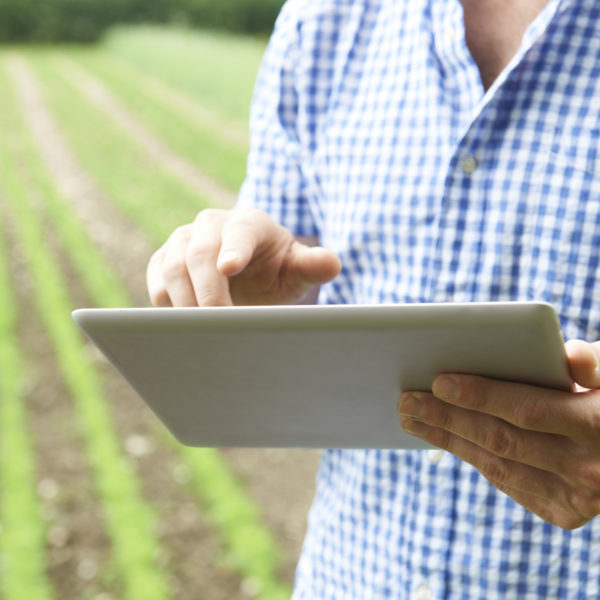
(86, 20)
(119, 121)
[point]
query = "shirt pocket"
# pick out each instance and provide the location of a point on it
(566, 241)
(576, 140)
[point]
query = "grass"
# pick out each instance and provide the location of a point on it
(251, 549)
(215, 69)
(129, 520)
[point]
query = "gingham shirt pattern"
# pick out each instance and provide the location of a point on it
(370, 129)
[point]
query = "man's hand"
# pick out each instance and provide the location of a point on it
(236, 257)
(539, 446)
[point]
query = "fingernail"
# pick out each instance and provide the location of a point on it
(411, 405)
(446, 388)
(227, 256)
(416, 428)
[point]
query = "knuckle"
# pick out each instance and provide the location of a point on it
(476, 389)
(199, 250)
(583, 504)
(474, 393)
(180, 233)
(443, 419)
(210, 297)
(496, 472)
(563, 466)
(247, 213)
(586, 475)
(501, 442)
(439, 437)
(246, 218)
(174, 268)
(209, 216)
(530, 413)
(155, 259)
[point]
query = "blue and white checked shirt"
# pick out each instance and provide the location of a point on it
(371, 129)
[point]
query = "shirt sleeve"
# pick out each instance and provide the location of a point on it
(274, 180)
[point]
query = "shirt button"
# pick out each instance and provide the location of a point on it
(468, 164)
(435, 456)
(423, 593)
(452, 34)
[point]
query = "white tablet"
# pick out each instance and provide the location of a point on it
(316, 376)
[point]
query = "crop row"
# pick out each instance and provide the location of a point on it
(251, 548)
(142, 189)
(214, 70)
(205, 144)
(22, 527)
(128, 519)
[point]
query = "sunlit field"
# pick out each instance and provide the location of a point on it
(103, 152)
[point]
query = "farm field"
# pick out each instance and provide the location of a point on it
(104, 151)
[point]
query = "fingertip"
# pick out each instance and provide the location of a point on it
(227, 261)
(336, 262)
(231, 262)
(581, 352)
(575, 347)
(324, 264)
(584, 362)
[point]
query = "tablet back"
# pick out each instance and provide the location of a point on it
(316, 376)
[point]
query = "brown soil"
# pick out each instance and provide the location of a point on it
(76, 532)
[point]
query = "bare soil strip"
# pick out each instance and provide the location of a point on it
(194, 568)
(77, 546)
(99, 95)
(281, 481)
(23, 527)
(111, 231)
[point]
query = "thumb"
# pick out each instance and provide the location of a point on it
(584, 362)
(313, 265)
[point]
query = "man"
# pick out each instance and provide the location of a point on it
(444, 151)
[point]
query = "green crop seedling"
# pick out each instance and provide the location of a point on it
(22, 527)
(129, 520)
(128, 180)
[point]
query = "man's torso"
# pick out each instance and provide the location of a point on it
(432, 189)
